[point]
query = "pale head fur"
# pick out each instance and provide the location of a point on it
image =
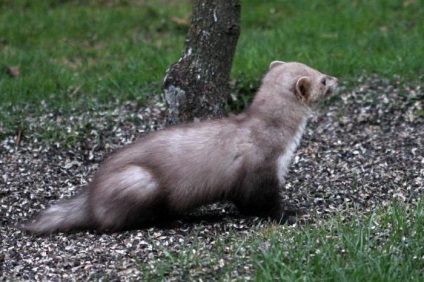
(309, 85)
(287, 93)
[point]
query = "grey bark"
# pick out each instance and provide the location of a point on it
(197, 86)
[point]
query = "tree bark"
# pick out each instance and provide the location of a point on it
(197, 86)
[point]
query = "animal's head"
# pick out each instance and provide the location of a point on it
(308, 84)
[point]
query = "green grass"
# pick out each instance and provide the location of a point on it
(71, 51)
(385, 245)
(344, 38)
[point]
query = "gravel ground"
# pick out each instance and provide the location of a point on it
(362, 151)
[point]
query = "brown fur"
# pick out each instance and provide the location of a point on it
(242, 159)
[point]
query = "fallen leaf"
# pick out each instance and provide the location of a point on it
(407, 3)
(182, 22)
(13, 71)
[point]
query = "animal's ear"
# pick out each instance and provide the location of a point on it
(275, 63)
(303, 88)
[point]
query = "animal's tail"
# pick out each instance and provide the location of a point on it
(71, 214)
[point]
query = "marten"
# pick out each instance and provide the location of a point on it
(242, 159)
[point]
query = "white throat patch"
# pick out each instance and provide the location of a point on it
(284, 160)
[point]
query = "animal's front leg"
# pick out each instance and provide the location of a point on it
(261, 198)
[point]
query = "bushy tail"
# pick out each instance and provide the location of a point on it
(67, 215)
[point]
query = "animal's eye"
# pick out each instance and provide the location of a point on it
(324, 81)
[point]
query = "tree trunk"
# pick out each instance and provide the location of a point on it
(197, 86)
